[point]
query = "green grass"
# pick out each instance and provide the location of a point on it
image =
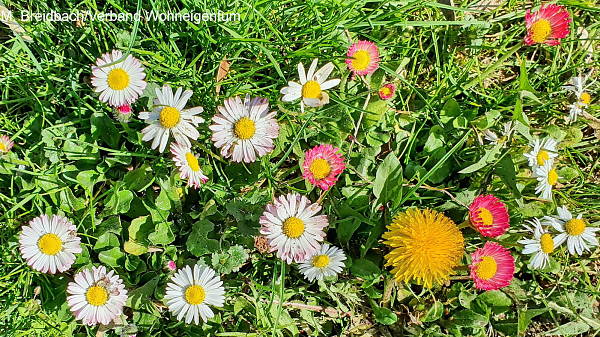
(458, 70)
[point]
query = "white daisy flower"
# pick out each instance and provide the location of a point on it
(328, 261)
(49, 243)
(493, 138)
(542, 245)
(96, 296)
(292, 227)
(188, 165)
(191, 291)
(547, 177)
(575, 231)
(244, 130)
(170, 116)
(542, 152)
(311, 86)
(119, 80)
(579, 88)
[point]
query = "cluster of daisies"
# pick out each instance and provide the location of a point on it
(425, 246)
(244, 130)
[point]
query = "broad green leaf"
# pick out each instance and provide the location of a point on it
(375, 110)
(111, 257)
(505, 169)
(162, 201)
(345, 228)
(198, 242)
(163, 235)
(489, 157)
(87, 179)
(384, 315)
(388, 180)
(525, 316)
(495, 298)
(119, 202)
(106, 240)
(143, 294)
(435, 139)
(469, 318)
(134, 248)
(103, 129)
(434, 313)
(364, 268)
(569, 329)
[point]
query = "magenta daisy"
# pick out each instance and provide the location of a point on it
(489, 216)
(5, 144)
(322, 166)
(387, 91)
(548, 25)
(291, 225)
(363, 58)
(492, 267)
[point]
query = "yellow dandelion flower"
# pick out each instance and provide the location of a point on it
(426, 246)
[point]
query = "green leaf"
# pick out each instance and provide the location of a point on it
(134, 248)
(365, 268)
(569, 329)
(119, 202)
(143, 294)
(162, 201)
(140, 228)
(435, 139)
(105, 240)
(495, 298)
(88, 178)
(163, 235)
(345, 229)
(384, 315)
(138, 179)
(375, 110)
(525, 317)
(388, 180)
(103, 129)
(507, 173)
(434, 313)
(469, 318)
(198, 242)
(111, 257)
(489, 157)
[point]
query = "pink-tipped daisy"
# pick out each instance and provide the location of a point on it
(188, 165)
(387, 91)
(492, 267)
(322, 166)
(293, 228)
(548, 25)
(119, 79)
(363, 58)
(5, 144)
(489, 216)
(171, 265)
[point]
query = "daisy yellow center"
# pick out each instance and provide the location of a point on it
(575, 226)
(547, 243)
(552, 177)
(195, 294)
(385, 91)
(244, 128)
(487, 268)
(361, 60)
(192, 162)
(541, 30)
(425, 247)
(96, 295)
(293, 227)
(320, 168)
(541, 157)
(311, 89)
(49, 244)
(169, 117)
(487, 219)
(321, 261)
(2, 147)
(585, 98)
(118, 79)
